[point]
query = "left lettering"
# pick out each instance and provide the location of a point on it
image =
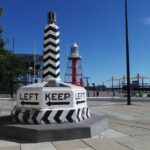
(29, 96)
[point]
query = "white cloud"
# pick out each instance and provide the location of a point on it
(146, 20)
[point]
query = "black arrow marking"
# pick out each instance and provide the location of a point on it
(57, 103)
(45, 117)
(87, 113)
(78, 114)
(29, 103)
(16, 115)
(69, 116)
(34, 116)
(26, 116)
(58, 114)
(79, 102)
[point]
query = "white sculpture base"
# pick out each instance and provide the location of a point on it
(50, 102)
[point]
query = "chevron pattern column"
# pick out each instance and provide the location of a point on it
(50, 116)
(51, 60)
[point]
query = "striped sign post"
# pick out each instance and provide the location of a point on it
(51, 101)
(51, 56)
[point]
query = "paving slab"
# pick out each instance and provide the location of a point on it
(72, 145)
(144, 124)
(7, 145)
(104, 144)
(138, 143)
(116, 111)
(130, 129)
(38, 146)
(109, 133)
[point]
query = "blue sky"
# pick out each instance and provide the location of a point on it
(96, 25)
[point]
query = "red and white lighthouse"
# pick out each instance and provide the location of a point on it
(74, 70)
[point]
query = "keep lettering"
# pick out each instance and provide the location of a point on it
(57, 96)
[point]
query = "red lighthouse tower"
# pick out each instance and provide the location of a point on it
(74, 70)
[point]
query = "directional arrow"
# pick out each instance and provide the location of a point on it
(79, 102)
(58, 114)
(45, 117)
(69, 116)
(57, 103)
(29, 103)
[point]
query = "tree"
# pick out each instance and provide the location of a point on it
(1, 31)
(10, 66)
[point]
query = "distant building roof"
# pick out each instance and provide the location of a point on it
(30, 57)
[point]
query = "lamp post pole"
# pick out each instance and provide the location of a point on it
(127, 55)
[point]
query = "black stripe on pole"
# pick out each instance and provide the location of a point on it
(51, 66)
(51, 51)
(51, 36)
(51, 58)
(51, 74)
(51, 43)
(50, 28)
(127, 55)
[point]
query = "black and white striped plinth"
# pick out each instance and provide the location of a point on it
(36, 116)
(51, 56)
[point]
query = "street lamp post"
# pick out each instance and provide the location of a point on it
(127, 55)
(112, 86)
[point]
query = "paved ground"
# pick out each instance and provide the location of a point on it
(129, 129)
